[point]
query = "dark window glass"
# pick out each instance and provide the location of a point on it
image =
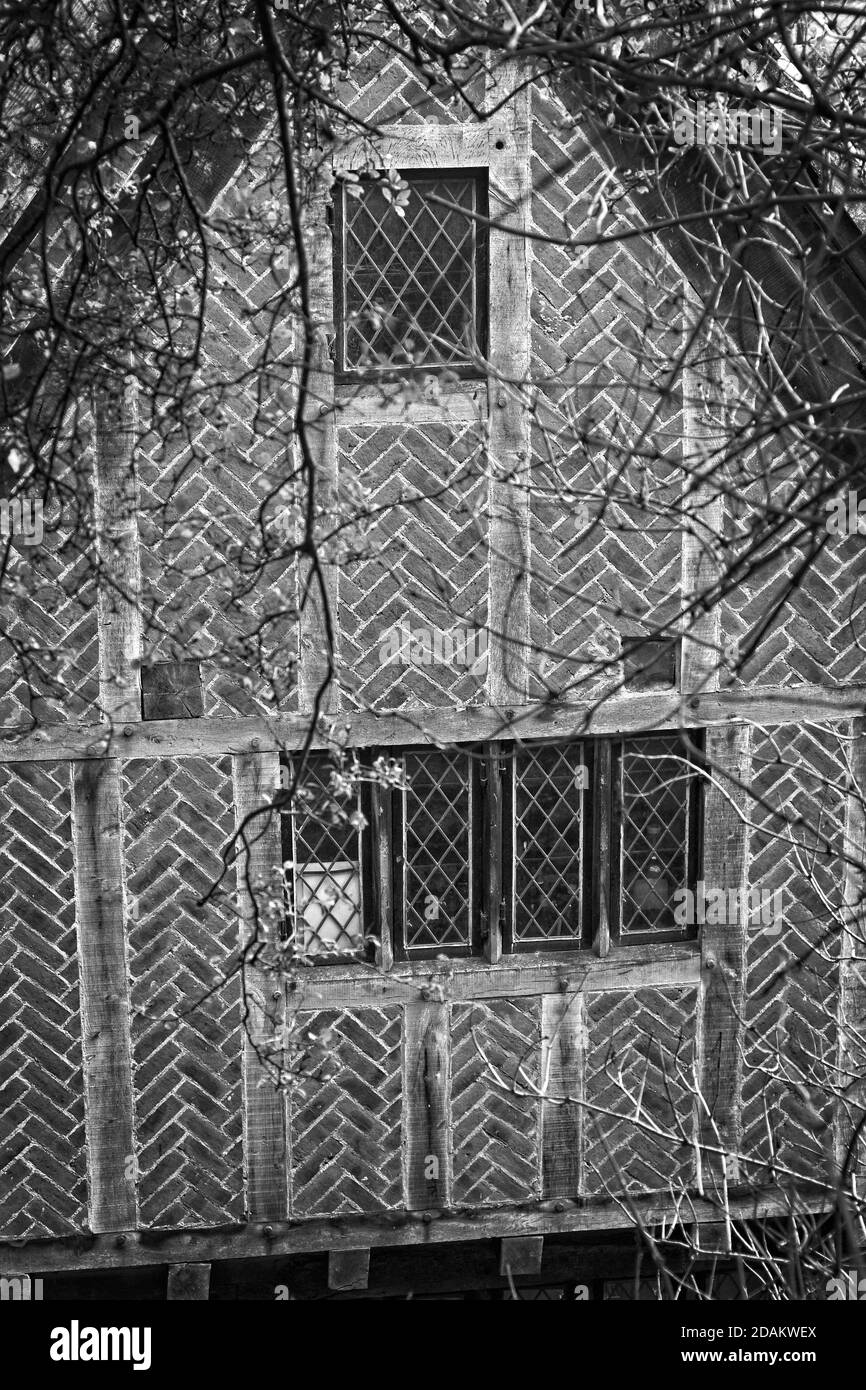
(550, 795)
(654, 836)
(326, 867)
(437, 878)
(411, 275)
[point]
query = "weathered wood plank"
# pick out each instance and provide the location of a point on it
(850, 1150)
(349, 1233)
(703, 522)
(508, 381)
(465, 403)
(562, 1075)
(119, 598)
(318, 584)
(452, 146)
(426, 1068)
(188, 1282)
(348, 1269)
(723, 946)
(625, 714)
(265, 1132)
(602, 805)
(521, 1256)
(496, 889)
(99, 893)
(628, 968)
(382, 870)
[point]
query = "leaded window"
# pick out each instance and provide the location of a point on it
(655, 836)
(549, 804)
(326, 865)
(437, 878)
(547, 845)
(410, 272)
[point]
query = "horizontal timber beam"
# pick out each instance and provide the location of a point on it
(625, 714)
(140, 1248)
(563, 973)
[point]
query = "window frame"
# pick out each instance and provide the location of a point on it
(369, 906)
(404, 953)
(694, 847)
(493, 865)
(509, 772)
(343, 375)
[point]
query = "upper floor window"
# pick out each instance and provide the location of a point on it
(553, 845)
(410, 273)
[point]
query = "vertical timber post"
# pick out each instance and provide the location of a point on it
(703, 522)
(509, 396)
(318, 583)
(851, 1146)
(723, 948)
(426, 1087)
(562, 1066)
(264, 1003)
(97, 826)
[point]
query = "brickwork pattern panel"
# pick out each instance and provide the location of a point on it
(495, 1061)
(217, 515)
(639, 1090)
(383, 89)
(186, 1040)
(792, 967)
(606, 473)
(802, 598)
(43, 1163)
(422, 562)
(346, 1114)
(49, 603)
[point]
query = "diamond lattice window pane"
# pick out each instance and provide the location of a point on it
(549, 790)
(437, 869)
(654, 790)
(411, 284)
(324, 870)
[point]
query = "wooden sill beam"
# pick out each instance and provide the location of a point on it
(257, 1241)
(623, 714)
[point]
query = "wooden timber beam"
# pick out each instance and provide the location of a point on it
(723, 947)
(623, 714)
(256, 1241)
(188, 1282)
(348, 1269)
(521, 1256)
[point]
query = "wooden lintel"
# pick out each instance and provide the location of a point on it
(521, 1255)
(188, 1281)
(644, 710)
(348, 1269)
(565, 973)
(134, 1249)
